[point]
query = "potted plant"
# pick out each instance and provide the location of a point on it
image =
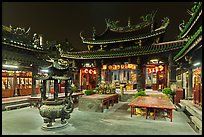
(140, 93)
(73, 88)
(108, 89)
(88, 92)
(97, 89)
(140, 111)
(169, 92)
(112, 88)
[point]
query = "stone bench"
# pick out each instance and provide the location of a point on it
(16, 106)
(96, 102)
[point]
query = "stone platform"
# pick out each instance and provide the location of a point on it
(96, 102)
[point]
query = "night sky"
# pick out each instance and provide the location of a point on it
(65, 20)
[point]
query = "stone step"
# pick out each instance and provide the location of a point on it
(177, 108)
(194, 113)
(14, 102)
(180, 107)
(16, 106)
(197, 123)
(5, 104)
(192, 110)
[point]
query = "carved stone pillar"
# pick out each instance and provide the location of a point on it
(34, 72)
(171, 71)
(181, 70)
(190, 83)
(98, 69)
(189, 68)
(140, 75)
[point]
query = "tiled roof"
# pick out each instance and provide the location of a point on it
(143, 50)
(192, 21)
(125, 39)
(129, 33)
(24, 58)
(22, 46)
(19, 41)
(147, 21)
(195, 39)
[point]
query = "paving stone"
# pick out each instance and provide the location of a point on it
(114, 121)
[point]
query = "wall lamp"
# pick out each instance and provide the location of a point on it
(44, 70)
(10, 66)
(196, 64)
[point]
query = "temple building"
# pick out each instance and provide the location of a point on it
(21, 57)
(135, 56)
(131, 78)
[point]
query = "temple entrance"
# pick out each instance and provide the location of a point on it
(88, 78)
(120, 74)
(155, 78)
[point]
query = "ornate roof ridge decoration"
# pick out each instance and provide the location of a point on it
(41, 77)
(18, 37)
(6, 28)
(154, 33)
(94, 40)
(190, 44)
(114, 25)
(196, 12)
(17, 30)
(58, 64)
(145, 50)
(164, 25)
(171, 42)
(22, 46)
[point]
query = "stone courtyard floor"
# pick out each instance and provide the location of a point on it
(114, 121)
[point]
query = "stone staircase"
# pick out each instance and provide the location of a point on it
(194, 113)
(15, 104)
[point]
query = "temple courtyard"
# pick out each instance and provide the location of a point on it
(113, 121)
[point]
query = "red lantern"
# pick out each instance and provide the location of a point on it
(94, 72)
(118, 66)
(90, 71)
(126, 66)
(122, 66)
(110, 67)
(149, 70)
(86, 71)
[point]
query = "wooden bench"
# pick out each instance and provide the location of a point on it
(152, 103)
(197, 123)
(16, 106)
